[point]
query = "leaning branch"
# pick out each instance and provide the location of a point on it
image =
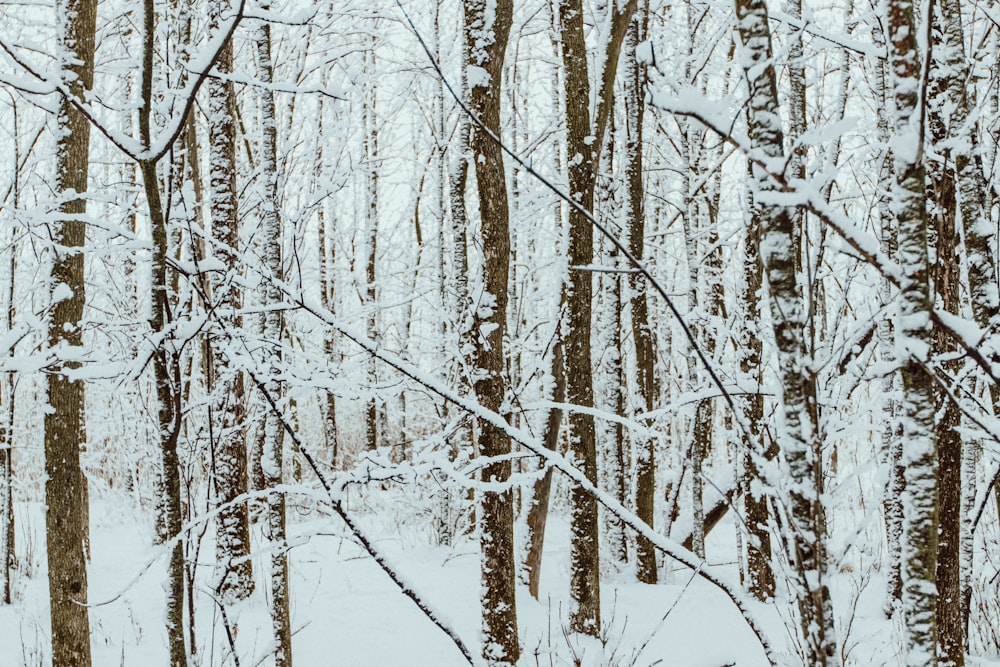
(552, 458)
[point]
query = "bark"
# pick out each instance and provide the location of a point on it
(759, 573)
(372, 420)
(701, 435)
(486, 35)
(7, 546)
(65, 518)
(272, 459)
(960, 188)
(799, 438)
(945, 277)
(619, 459)
(166, 363)
(613, 459)
(584, 143)
(538, 511)
(891, 446)
(913, 340)
(233, 524)
(643, 337)
(585, 577)
(327, 262)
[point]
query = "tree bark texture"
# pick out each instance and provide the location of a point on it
(942, 206)
(272, 459)
(65, 424)
(798, 438)
(538, 510)
(233, 523)
(759, 573)
(582, 146)
(486, 36)
(643, 337)
(913, 343)
(166, 364)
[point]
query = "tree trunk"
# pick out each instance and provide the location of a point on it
(914, 339)
(643, 337)
(538, 511)
(271, 460)
(372, 422)
(65, 519)
(166, 363)
(584, 143)
(233, 523)
(759, 572)
(486, 37)
(585, 577)
(942, 208)
(7, 546)
(799, 438)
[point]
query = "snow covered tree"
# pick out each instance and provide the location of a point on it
(66, 526)
(486, 35)
(779, 255)
(914, 340)
(225, 379)
(271, 458)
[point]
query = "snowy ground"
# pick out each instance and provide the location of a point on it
(347, 612)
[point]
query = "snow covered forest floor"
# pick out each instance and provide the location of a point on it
(329, 329)
(346, 612)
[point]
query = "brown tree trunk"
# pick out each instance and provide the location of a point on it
(166, 363)
(943, 242)
(538, 511)
(585, 578)
(584, 143)
(642, 328)
(65, 519)
(486, 36)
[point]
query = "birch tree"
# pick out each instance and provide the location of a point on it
(778, 249)
(272, 459)
(913, 343)
(227, 383)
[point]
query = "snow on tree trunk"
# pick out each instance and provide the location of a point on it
(913, 344)
(271, 460)
(486, 35)
(370, 246)
(66, 527)
(759, 573)
(643, 337)
(228, 411)
(798, 438)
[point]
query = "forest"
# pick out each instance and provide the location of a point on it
(503, 333)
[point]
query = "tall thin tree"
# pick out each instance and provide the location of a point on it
(914, 338)
(486, 37)
(228, 419)
(66, 527)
